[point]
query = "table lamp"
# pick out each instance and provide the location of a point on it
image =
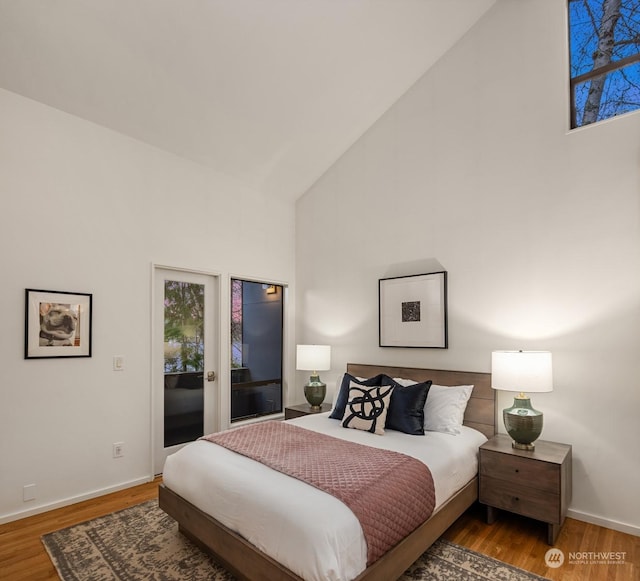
(522, 371)
(314, 358)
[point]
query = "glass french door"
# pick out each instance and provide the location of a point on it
(184, 366)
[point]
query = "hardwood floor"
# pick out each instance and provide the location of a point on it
(522, 542)
(512, 539)
(22, 554)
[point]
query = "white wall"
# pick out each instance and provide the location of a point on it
(538, 228)
(86, 209)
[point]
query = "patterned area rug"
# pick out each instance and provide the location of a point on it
(142, 543)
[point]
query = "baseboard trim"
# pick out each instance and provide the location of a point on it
(72, 500)
(576, 514)
(603, 522)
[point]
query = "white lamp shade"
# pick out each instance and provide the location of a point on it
(313, 357)
(529, 371)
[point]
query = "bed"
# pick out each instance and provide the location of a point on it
(241, 557)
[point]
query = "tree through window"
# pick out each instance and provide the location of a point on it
(604, 42)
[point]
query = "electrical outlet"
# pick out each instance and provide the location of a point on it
(29, 492)
(118, 449)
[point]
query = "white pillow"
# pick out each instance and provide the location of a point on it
(445, 407)
(444, 410)
(336, 390)
(405, 382)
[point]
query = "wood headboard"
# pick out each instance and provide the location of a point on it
(480, 413)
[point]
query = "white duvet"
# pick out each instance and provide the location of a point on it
(309, 531)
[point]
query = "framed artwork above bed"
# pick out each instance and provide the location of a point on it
(412, 311)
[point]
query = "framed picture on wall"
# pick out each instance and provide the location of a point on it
(57, 324)
(413, 311)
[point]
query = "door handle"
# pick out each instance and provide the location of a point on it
(211, 376)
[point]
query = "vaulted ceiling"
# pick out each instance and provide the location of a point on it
(270, 92)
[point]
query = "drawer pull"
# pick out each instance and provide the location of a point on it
(516, 498)
(517, 470)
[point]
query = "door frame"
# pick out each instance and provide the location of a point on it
(218, 356)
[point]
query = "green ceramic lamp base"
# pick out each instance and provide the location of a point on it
(523, 423)
(315, 391)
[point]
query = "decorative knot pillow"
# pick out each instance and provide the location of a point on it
(367, 407)
(343, 392)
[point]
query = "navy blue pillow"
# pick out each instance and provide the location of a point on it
(406, 409)
(343, 395)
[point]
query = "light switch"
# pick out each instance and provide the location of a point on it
(118, 363)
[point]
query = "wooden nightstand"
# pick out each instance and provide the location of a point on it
(304, 409)
(536, 484)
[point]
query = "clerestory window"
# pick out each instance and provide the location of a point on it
(604, 44)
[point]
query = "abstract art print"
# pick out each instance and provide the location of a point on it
(413, 311)
(57, 324)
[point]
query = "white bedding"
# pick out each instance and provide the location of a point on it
(309, 531)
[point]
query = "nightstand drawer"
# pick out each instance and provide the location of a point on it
(522, 500)
(542, 476)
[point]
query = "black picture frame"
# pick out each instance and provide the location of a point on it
(57, 324)
(412, 311)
